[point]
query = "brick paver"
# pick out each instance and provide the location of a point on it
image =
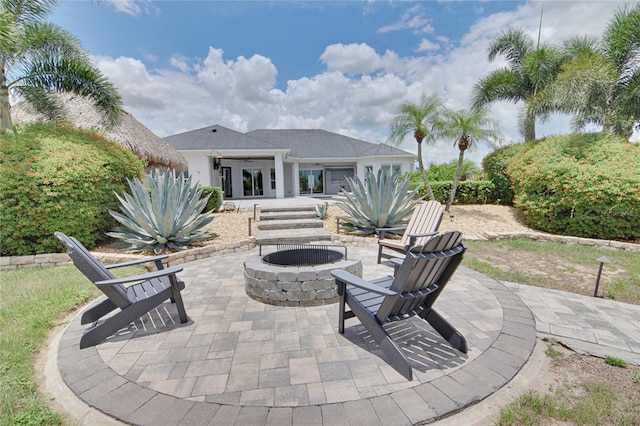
(238, 361)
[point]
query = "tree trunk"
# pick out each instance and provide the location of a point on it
(423, 173)
(530, 131)
(5, 113)
(606, 119)
(456, 179)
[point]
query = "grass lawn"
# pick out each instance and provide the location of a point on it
(31, 301)
(566, 267)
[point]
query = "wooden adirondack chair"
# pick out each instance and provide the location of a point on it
(423, 224)
(148, 291)
(418, 281)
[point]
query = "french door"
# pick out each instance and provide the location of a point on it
(252, 185)
(311, 181)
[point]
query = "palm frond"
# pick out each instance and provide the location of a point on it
(622, 35)
(498, 85)
(513, 44)
(24, 12)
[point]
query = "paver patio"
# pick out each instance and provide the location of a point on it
(238, 361)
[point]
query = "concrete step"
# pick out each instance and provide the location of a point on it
(292, 236)
(288, 209)
(290, 224)
(287, 215)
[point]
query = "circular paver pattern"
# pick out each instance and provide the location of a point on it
(241, 361)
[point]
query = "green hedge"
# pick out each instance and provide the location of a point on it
(216, 197)
(495, 167)
(468, 191)
(585, 185)
(59, 178)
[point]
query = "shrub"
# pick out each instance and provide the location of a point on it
(58, 178)
(495, 167)
(215, 199)
(167, 216)
(468, 192)
(446, 172)
(585, 185)
(382, 202)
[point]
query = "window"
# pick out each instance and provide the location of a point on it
(273, 178)
(367, 170)
(395, 168)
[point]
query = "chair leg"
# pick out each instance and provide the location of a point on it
(111, 325)
(392, 353)
(177, 299)
(446, 330)
(96, 312)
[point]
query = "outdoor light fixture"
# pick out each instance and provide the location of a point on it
(217, 162)
(217, 159)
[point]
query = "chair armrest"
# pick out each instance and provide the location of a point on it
(382, 231)
(413, 237)
(142, 277)
(350, 279)
(423, 234)
(397, 263)
(137, 262)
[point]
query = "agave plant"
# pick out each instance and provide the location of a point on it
(321, 210)
(167, 215)
(382, 202)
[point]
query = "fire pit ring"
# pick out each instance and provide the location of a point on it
(297, 275)
(304, 255)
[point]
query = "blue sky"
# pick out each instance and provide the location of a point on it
(336, 65)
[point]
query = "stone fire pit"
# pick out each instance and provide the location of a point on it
(297, 275)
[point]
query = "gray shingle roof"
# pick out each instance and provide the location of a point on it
(316, 143)
(302, 143)
(206, 139)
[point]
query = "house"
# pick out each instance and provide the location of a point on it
(282, 163)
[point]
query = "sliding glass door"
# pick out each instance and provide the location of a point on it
(252, 185)
(311, 181)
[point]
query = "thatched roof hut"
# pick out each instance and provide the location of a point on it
(130, 133)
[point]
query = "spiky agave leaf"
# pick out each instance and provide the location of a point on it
(167, 215)
(381, 202)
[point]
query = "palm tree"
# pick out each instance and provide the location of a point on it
(466, 128)
(37, 58)
(531, 69)
(600, 82)
(423, 121)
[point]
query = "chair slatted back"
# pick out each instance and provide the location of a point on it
(94, 270)
(425, 218)
(424, 273)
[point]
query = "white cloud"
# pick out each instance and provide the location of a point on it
(413, 20)
(357, 95)
(134, 7)
(351, 58)
(426, 46)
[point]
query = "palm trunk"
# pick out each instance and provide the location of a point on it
(423, 173)
(530, 131)
(5, 108)
(606, 119)
(456, 179)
